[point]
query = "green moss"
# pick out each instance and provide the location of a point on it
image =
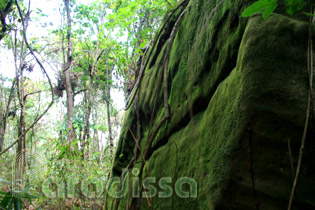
(125, 143)
(236, 96)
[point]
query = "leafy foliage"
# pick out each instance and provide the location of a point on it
(14, 200)
(268, 6)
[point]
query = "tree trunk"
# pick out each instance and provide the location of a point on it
(101, 147)
(95, 136)
(5, 114)
(86, 135)
(108, 77)
(88, 105)
(20, 162)
(2, 114)
(20, 153)
(67, 69)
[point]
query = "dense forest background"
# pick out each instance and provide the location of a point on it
(66, 69)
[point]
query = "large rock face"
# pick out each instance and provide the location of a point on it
(238, 92)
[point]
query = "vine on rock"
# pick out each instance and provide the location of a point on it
(165, 93)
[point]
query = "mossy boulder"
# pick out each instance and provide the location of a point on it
(238, 91)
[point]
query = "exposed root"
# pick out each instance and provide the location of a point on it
(166, 105)
(310, 68)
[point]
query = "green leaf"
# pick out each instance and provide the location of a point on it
(6, 200)
(308, 14)
(293, 6)
(85, 77)
(11, 204)
(258, 6)
(17, 203)
(269, 9)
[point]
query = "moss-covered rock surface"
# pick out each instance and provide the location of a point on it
(238, 92)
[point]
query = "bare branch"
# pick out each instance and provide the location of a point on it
(31, 94)
(80, 91)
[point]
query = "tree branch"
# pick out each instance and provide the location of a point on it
(48, 78)
(30, 94)
(80, 91)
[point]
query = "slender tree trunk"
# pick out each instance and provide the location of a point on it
(2, 99)
(70, 95)
(2, 113)
(107, 100)
(86, 135)
(101, 147)
(67, 69)
(20, 162)
(20, 157)
(95, 136)
(88, 105)
(5, 114)
(21, 151)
